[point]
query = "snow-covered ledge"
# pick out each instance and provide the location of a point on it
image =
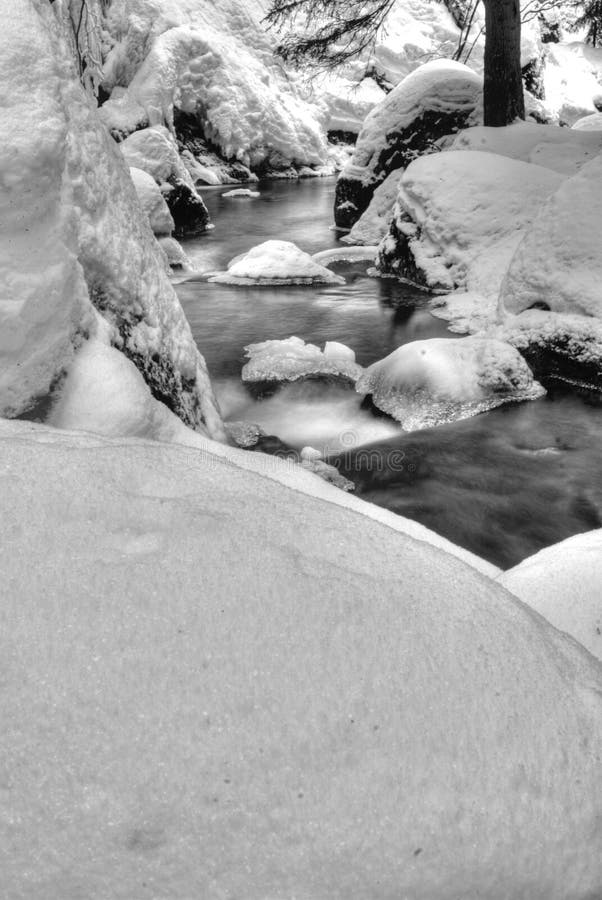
(77, 256)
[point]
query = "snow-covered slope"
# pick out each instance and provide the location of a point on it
(77, 255)
(182, 718)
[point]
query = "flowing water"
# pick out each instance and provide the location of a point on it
(503, 484)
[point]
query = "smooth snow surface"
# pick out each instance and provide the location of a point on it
(152, 202)
(559, 261)
(373, 224)
(183, 718)
(428, 383)
(155, 151)
(276, 262)
(564, 584)
(292, 359)
(593, 122)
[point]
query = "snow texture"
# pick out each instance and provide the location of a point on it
(152, 202)
(155, 151)
(430, 382)
(593, 122)
(459, 216)
(276, 262)
(292, 359)
(387, 722)
(374, 222)
(78, 244)
(559, 261)
(564, 584)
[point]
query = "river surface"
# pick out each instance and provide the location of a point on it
(503, 484)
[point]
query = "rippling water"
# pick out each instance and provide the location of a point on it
(503, 484)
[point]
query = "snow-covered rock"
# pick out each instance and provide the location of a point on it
(276, 262)
(77, 255)
(152, 202)
(216, 685)
(217, 63)
(563, 149)
(176, 257)
(564, 584)
(593, 122)
(435, 100)
(558, 264)
(292, 359)
(373, 224)
(439, 380)
(459, 217)
(244, 193)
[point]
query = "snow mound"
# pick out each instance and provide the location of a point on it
(176, 257)
(152, 202)
(213, 62)
(155, 151)
(559, 261)
(373, 224)
(242, 192)
(428, 383)
(276, 262)
(295, 716)
(292, 359)
(593, 122)
(78, 249)
(564, 584)
(435, 100)
(459, 216)
(562, 149)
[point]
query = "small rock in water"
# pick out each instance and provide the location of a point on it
(310, 454)
(276, 263)
(292, 359)
(242, 192)
(244, 434)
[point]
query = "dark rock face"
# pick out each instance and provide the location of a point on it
(564, 358)
(431, 104)
(395, 257)
(187, 209)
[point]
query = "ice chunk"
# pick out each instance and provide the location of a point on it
(276, 262)
(431, 382)
(292, 359)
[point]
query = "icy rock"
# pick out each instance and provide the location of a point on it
(244, 434)
(459, 216)
(292, 359)
(431, 382)
(563, 583)
(435, 100)
(326, 472)
(373, 224)
(152, 202)
(310, 454)
(176, 257)
(276, 262)
(242, 192)
(558, 264)
(78, 251)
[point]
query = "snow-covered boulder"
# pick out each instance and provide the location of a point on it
(562, 149)
(215, 62)
(276, 262)
(293, 359)
(558, 264)
(564, 584)
(459, 217)
(215, 685)
(593, 122)
(154, 150)
(428, 383)
(242, 193)
(77, 255)
(435, 100)
(176, 257)
(152, 202)
(373, 224)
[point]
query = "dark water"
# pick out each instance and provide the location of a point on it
(503, 484)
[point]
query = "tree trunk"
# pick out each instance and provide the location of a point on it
(503, 99)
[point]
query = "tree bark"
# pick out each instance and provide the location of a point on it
(503, 99)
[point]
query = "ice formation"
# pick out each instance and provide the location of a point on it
(440, 380)
(276, 262)
(225, 728)
(95, 263)
(292, 359)
(564, 584)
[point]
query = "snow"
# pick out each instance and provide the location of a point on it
(461, 214)
(216, 61)
(374, 223)
(152, 202)
(79, 243)
(292, 359)
(174, 251)
(593, 122)
(276, 262)
(564, 150)
(559, 262)
(183, 717)
(441, 86)
(430, 382)
(345, 254)
(155, 151)
(572, 79)
(242, 192)
(564, 584)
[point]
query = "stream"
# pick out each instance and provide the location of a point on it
(503, 484)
